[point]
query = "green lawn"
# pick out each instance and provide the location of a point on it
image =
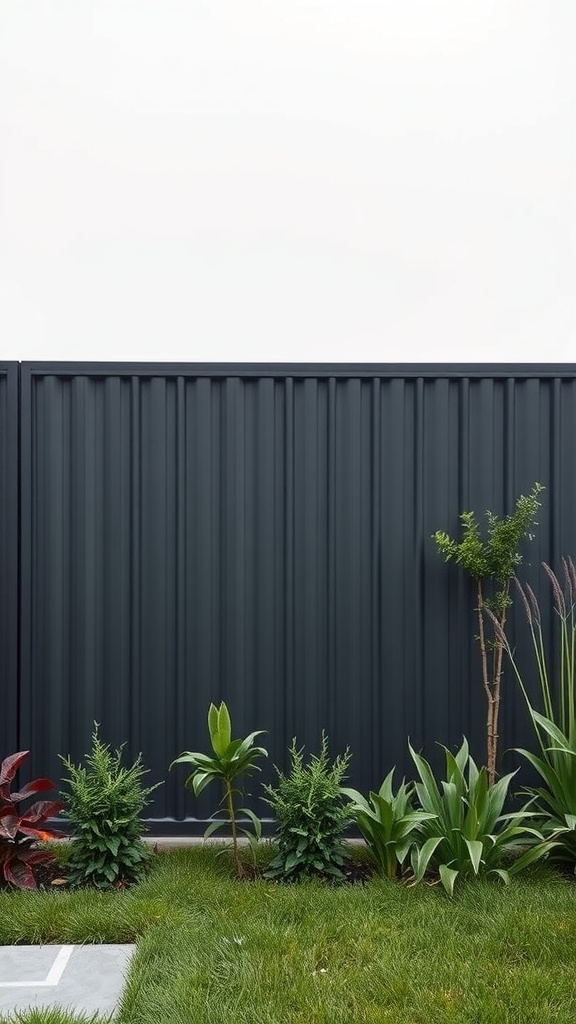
(212, 949)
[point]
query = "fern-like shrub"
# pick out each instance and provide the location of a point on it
(103, 802)
(311, 815)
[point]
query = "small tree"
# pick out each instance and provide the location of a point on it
(492, 563)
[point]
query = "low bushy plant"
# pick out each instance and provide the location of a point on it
(311, 815)
(21, 829)
(389, 823)
(467, 834)
(104, 801)
(232, 760)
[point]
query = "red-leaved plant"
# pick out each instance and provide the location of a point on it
(19, 830)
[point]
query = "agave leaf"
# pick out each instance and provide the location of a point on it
(385, 813)
(386, 790)
(424, 855)
(453, 803)
(428, 792)
(463, 755)
(448, 876)
(475, 849)
(532, 855)
(497, 796)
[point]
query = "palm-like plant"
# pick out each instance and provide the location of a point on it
(232, 759)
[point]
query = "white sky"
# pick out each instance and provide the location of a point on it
(288, 180)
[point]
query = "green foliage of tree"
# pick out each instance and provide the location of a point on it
(491, 563)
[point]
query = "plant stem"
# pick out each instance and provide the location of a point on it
(490, 740)
(230, 806)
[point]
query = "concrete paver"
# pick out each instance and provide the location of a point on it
(86, 979)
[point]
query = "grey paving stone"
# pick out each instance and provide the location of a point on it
(86, 979)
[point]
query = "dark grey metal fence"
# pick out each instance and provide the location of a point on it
(262, 534)
(9, 590)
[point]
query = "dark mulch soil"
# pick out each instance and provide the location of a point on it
(355, 872)
(51, 876)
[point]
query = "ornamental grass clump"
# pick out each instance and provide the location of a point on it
(467, 834)
(311, 815)
(104, 802)
(555, 722)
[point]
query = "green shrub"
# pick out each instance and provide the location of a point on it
(310, 815)
(104, 802)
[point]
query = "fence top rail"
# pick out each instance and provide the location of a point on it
(453, 371)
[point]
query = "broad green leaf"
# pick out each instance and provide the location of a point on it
(502, 874)
(532, 855)
(291, 861)
(448, 876)
(254, 819)
(215, 825)
(427, 791)
(200, 780)
(424, 855)
(220, 728)
(212, 721)
(476, 850)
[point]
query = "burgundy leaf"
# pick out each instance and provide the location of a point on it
(19, 874)
(9, 824)
(38, 786)
(10, 766)
(35, 856)
(37, 833)
(41, 810)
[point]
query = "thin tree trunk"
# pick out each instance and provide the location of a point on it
(492, 685)
(490, 744)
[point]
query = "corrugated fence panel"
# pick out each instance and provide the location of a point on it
(262, 535)
(9, 373)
